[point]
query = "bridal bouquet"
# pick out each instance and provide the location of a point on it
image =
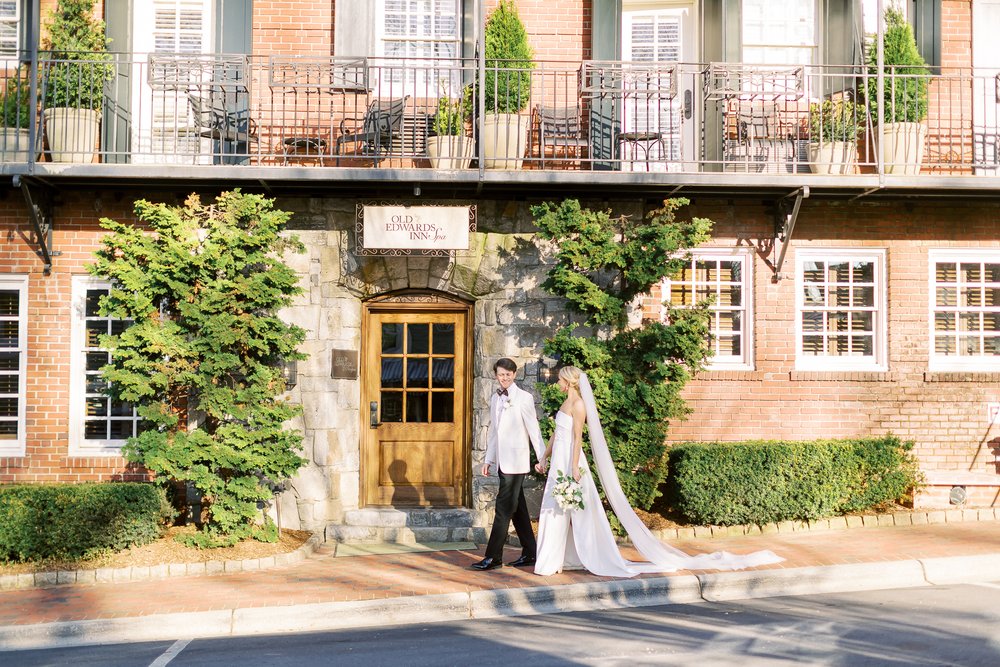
(567, 492)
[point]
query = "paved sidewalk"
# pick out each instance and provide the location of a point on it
(327, 592)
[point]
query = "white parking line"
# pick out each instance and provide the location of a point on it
(170, 653)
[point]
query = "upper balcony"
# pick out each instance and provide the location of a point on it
(307, 122)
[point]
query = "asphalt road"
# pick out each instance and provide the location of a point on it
(934, 625)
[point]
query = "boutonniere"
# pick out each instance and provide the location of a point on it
(504, 403)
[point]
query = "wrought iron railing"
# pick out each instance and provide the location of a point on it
(306, 111)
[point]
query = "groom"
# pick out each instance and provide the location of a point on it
(512, 425)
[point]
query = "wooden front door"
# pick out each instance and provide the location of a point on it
(415, 429)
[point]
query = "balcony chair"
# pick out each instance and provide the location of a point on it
(230, 127)
(373, 134)
(561, 130)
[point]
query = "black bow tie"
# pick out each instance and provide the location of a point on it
(501, 392)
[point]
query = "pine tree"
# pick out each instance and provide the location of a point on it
(202, 358)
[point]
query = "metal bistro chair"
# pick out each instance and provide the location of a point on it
(232, 130)
(561, 129)
(373, 136)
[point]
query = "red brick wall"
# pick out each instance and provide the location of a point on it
(75, 236)
(944, 413)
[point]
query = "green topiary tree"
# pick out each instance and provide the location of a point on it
(79, 64)
(637, 373)
(202, 358)
(509, 61)
(905, 88)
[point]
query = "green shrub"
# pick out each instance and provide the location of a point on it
(73, 521)
(509, 61)
(15, 103)
(836, 120)
(904, 96)
(764, 481)
(449, 119)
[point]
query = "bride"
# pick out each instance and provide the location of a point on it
(574, 538)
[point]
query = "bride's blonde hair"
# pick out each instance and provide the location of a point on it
(571, 374)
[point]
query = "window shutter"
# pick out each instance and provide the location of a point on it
(926, 18)
(234, 26)
(354, 28)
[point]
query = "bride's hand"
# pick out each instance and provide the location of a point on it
(540, 468)
(577, 474)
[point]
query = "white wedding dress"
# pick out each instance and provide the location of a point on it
(570, 539)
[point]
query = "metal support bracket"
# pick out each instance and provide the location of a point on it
(785, 215)
(39, 202)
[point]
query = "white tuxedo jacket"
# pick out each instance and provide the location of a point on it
(513, 425)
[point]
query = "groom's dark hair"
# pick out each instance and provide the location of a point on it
(506, 364)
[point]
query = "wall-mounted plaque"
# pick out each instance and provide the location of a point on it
(404, 230)
(345, 365)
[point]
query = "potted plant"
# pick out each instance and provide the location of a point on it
(449, 148)
(903, 105)
(15, 119)
(507, 88)
(78, 68)
(834, 126)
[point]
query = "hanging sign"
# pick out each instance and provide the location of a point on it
(404, 230)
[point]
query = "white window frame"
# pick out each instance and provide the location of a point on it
(879, 359)
(939, 362)
(16, 446)
(78, 444)
(730, 362)
(775, 14)
(422, 79)
(11, 58)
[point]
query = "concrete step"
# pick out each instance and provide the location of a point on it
(409, 526)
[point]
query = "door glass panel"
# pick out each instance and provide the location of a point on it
(392, 406)
(9, 300)
(392, 338)
(392, 373)
(442, 406)
(416, 406)
(418, 338)
(416, 372)
(444, 373)
(444, 339)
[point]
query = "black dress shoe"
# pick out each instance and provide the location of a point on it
(488, 564)
(523, 561)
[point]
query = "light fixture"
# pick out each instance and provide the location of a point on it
(416, 190)
(290, 372)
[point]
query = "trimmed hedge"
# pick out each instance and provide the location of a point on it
(72, 521)
(760, 482)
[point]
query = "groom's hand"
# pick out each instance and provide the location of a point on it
(486, 470)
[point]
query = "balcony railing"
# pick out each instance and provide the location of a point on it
(213, 109)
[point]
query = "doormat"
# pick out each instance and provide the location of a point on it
(388, 548)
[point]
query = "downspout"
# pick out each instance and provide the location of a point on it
(32, 53)
(481, 101)
(880, 93)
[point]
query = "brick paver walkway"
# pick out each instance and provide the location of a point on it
(325, 578)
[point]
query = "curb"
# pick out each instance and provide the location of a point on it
(108, 575)
(681, 589)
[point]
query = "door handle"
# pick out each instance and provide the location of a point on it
(688, 104)
(373, 414)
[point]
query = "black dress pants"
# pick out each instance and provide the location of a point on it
(511, 506)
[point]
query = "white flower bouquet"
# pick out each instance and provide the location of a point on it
(567, 492)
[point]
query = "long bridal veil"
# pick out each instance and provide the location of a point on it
(665, 558)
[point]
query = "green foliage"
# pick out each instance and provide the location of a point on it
(15, 103)
(602, 265)
(764, 482)
(836, 120)
(450, 118)
(906, 74)
(203, 287)
(80, 66)
(509, 61)
(67, 521)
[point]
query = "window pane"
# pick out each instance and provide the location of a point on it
(96, 360)
(9, 361)
(812, 321)
(392, 373)
(416, 406)
(443, 406)
(8, 430)
(970, 272)
(812, 345)
(864, 297)
(945, 272)
(94, 331)
(729, 345)
(444, 373)
(970, 345)
(8, 407)
(945, 345)
(392, 338)
(9, 333)
(813, 295)
(97, 407)
(92, 307)
(444, 339)
(9, 302)
(9, 383)
(392, 406)
(418, 337)
(416, 372)
(944, 321)
(121, 429)
(95, 430)
(946, 296)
